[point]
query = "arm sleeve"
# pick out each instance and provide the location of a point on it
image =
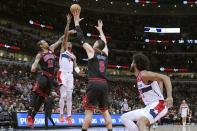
(80, 35)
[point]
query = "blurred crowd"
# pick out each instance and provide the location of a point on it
(27, 43)
(133, 23)
(126, 31)
(17, 82)
(127, 37)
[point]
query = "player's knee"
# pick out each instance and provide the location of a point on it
(124, 118)
(69, 98)
(143, 122)
(108, 121)
(63, 97)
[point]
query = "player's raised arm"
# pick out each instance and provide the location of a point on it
(161, 86)
(57, 43)
(151, 76)
(66, 33)
(35, 64)
(100, 29)
(86, 46)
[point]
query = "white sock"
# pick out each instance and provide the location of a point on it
(130, 125)
(69, 102)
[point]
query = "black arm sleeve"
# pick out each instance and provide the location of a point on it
(80, 35)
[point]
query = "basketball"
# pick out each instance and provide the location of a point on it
(74, 8)
(103, 64)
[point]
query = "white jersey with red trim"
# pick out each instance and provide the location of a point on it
(66, 61)
(184, 108)
(149, 93)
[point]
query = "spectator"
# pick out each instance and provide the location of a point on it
(125, 106)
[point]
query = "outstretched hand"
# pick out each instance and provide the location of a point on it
(77, 18)
(100, 25)
(69, 17)
(169, 102)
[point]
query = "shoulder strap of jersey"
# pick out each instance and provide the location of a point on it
(140, 75)
(70, 52)
(51, 51)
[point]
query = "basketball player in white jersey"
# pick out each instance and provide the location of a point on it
(67, 61)
(184, 111)
(149, 89)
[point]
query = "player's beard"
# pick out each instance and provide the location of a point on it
(44, 48)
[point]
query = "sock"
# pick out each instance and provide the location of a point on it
(69, 102)
(130, 125)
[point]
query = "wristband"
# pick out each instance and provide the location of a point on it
(77, 69)
(80, 35)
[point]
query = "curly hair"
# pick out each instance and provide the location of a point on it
(142, 62)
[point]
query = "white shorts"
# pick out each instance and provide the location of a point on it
(183, 114)
(66, 79)
(153, 112)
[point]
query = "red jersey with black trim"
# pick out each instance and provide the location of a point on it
(97, 66)
(47, 61)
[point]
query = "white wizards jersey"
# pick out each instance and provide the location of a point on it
(149, 93)
(66, 61)
(184, 108)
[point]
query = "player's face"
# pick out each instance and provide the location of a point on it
(96, 45)
(132, 67)
(69, 45)
(44, 44)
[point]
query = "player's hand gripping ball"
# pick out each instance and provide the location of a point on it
(74, 8)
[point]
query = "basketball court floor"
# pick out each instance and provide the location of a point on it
(159, 128)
